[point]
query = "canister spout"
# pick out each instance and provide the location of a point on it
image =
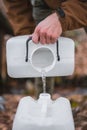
(44, 99)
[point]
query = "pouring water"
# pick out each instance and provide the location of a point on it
(44, 80)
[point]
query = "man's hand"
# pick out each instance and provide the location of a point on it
(48, 30)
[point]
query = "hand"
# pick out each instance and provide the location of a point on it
(48, 30)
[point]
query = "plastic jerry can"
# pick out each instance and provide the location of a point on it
(27, 59)
(43, 114)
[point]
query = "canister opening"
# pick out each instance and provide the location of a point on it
(42, 58)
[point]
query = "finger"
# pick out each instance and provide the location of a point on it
(35, 38)
(42, 33)
(50, 39)
(42, 38)
(36, 35)
(54, 38)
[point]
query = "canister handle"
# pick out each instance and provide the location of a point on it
(27, 49)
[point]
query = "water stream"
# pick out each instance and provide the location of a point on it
(44, 81)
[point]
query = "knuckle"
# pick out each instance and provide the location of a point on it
(53, 37)
(42, 31)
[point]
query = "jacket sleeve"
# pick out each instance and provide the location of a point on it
(75, 14)
(19, 14)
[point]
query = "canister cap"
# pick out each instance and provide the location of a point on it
(44, 96)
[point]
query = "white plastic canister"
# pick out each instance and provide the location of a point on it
(27, 59)
(43, 114)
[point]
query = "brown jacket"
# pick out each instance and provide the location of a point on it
(20, 14)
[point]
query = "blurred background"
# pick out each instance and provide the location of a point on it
(73, 87)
